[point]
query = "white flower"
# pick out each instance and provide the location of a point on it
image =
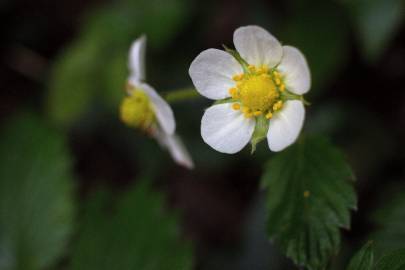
(143, 108)
(262, 80)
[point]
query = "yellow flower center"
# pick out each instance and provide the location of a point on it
(258, 92)
(136, 111)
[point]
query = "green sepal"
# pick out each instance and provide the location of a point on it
(287, 95)
(238, 58)
(223, 101)
(260, 132)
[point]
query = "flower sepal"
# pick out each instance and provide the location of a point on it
(260, 132)
(223, 101)
(287, 95)
(238, 58)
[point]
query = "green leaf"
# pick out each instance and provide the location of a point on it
(36, 207)
(390, 221)
(71, 84)
(310, 194)
(136, 233)
(376, 22)
(363, 259)
(392, 261)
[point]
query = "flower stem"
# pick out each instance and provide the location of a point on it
(181, 95)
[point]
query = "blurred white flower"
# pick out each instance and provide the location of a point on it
(144, 109)
(261, 80)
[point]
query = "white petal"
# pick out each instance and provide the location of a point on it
(286, 125)
(296, 71)
(225, 129)
(178, 151)
(137, 59)
(164, 113)
(212, 71)
(257, 46)
(176, 148)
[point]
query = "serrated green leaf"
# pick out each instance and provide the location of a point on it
(390, 221)
(136, 233)
(363, 259)
(392, 261)
(310, 195)
(36, 207)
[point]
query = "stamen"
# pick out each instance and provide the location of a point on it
(282, 87)
(278, 105)
(263, 70)
(257, 113)
(269, 115)
(233, 91)
(238, 77)
(252, 68)
(236, 106)
(245, 110)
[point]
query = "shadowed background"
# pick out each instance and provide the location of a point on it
(62, 74)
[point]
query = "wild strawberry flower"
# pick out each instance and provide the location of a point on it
(144, 109)
(258, 89)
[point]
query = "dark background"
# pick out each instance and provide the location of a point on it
(65, 61)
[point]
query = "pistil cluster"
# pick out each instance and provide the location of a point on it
(136, 110)
(258, 92)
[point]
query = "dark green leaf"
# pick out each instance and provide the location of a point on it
(136, 233)
(36, 207)
(363, 259)
(72, 83)
(392, 261)
(376, 22)
(390, 221)
(310, 194)
(307, 30)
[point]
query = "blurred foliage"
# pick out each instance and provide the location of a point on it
(134, 233)
(93, 69)
(325, 45)
(392, 261)
(390, 221)
(36, 204)
(309, 198)
(363, 259)
(376, 22)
